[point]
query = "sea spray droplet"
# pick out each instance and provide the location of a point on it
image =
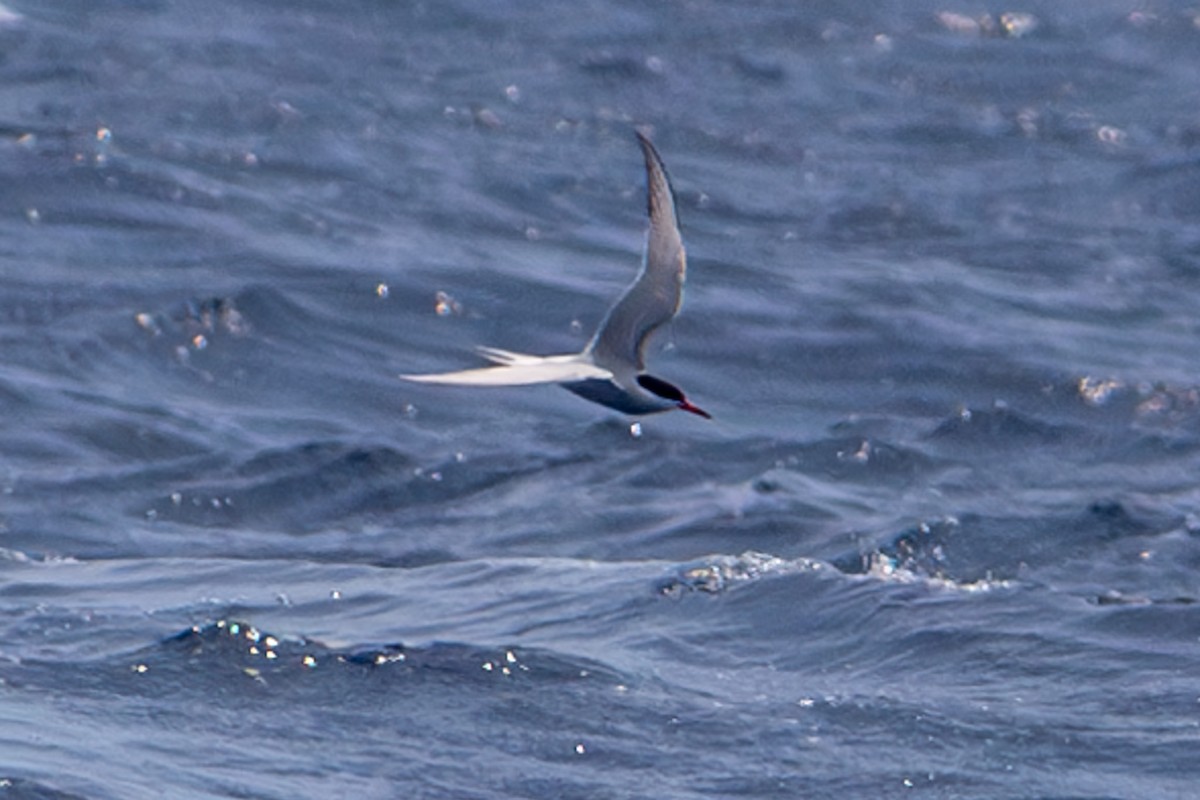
(1097, 391)
(445, 305)
(1018, 23)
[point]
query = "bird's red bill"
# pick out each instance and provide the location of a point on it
(684, 405)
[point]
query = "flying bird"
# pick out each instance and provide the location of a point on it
(611, 370)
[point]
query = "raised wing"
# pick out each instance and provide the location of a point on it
(654, 298)
(517, 369)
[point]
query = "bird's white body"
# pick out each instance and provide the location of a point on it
(610, 370)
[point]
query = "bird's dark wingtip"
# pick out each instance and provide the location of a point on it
(660, 194)
(642, 132)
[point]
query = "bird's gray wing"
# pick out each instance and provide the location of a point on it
(654, 298)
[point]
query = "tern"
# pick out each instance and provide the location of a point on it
(611, 369)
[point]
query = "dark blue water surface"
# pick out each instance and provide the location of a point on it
(941, 540)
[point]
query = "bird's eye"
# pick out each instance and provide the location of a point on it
(660, 387)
